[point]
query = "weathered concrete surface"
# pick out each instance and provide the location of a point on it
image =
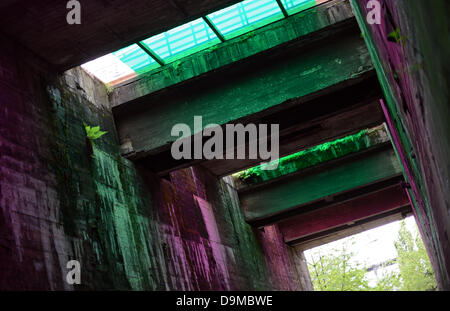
(318, 183)
(315, 121)
(62, 198)
(335, 113)
(106, 26)
(414, 71)
(298, 27)
(242, 91)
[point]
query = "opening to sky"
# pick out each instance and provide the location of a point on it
(374, 249)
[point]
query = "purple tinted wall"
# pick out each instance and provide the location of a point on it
(62, 198)
(410, 51)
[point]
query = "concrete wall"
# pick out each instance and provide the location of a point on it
(413, 70)
(63, 198)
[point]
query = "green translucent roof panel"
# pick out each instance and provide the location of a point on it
(245, 16)
(192, 36)
(136, 58)
(293, 6)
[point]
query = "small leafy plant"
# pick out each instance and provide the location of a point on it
(396, 36)
(109, 88)
(94, 132)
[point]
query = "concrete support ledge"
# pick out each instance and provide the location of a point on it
(332, 219)
(323, 183)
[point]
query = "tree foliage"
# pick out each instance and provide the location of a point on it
(387, 281)
(415, 268)
(338, 270)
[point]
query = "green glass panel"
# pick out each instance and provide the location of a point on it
(245, 16)
(136, 58)
(182, 40)
(294, 6)
(197, 35)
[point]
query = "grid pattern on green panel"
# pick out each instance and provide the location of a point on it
(195, 34)
(246, 15)
(135, 58)
(297, 5)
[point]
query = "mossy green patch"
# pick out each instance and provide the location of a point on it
(314, 156)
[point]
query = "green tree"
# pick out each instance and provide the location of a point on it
(388, 281)
(416, 273)
(337, 271)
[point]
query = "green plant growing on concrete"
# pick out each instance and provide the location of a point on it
(93, 133)
(312, 156)
(109, 88)
(396, 36)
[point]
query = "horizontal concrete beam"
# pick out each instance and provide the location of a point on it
(243, 92)
(327, 118)
(307, 123)
(319, 184)
(295, 27)
(343, 214)
(309, 158)
(344, 231)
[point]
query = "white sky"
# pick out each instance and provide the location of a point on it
(107, 68)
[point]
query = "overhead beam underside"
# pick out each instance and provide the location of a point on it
(321, 183)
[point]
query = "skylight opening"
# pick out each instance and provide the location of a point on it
(192, 37)
(109, 68)
(121, 65)
(136, 58)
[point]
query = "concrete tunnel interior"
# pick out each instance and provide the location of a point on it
(87, 111)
